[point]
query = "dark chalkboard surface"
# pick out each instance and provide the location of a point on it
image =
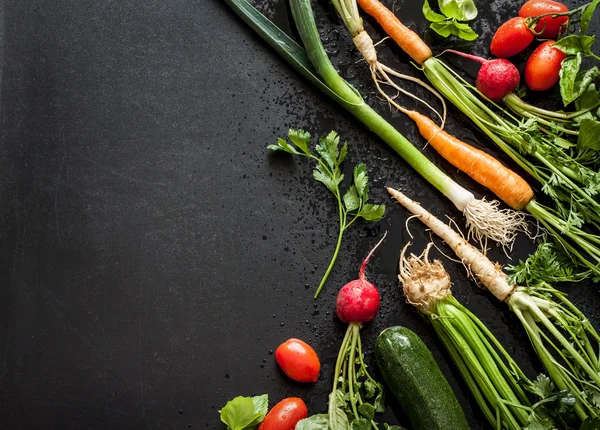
(152, 252)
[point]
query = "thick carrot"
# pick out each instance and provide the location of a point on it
(479, 165)
(408, 40)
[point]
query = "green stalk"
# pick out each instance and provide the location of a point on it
(352, 360)
(494, 381)
(549, 323)
(342, 228)
(305, 23)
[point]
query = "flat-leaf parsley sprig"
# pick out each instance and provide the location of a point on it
(354, 203)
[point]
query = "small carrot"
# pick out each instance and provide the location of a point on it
(479, 165)
(408, 40)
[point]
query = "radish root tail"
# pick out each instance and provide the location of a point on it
(361, 274)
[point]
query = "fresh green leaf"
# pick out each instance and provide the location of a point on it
(360, 424)
(351, 199)
(461, 10)
(546, 264)
(430, 15)
(386, 426)
(590, 424)
(588, 99)
(367, 410)
(361, 181)
(325, 179)
(574, 44)
(536, 422)
(301, 139)
(282, 145)
(594, 396)
(447, 28)
(574, 83)
(370, 389)
(542, 386)
(372, 212)
(464, 32)
(343, 153)
(315, 422)
(380, 401)
(589, 135)
(328, 149)
(238, 413)
(586, 16)
(568, 73)
(261, 407)
(337, 417)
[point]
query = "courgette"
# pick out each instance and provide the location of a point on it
(414, 377)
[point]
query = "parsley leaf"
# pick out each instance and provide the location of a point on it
(354, 203)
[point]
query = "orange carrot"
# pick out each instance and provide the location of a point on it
(408, 40)
(482, 167)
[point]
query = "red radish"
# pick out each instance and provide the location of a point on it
(357, 303)
(547, 27)
(358, 300)
(542, 70)
(511, 38)
(496, 78)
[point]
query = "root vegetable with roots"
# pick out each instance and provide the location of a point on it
(562, 337)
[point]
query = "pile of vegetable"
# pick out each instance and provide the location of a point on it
(558, 149)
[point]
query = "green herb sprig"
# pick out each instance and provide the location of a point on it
(244, 413)
(449, 21)
(573, 81)
(353, 204)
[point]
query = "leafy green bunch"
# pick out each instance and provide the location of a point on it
(448, 22)
(354, 203)
(244, 413)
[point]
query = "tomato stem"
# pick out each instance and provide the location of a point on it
(532, 21)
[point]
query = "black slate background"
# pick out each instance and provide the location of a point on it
(152, 252)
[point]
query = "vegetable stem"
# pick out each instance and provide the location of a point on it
(342, 228)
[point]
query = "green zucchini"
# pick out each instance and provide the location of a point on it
(414, 377)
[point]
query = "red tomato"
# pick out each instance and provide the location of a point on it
(511, 38)
(547, 27)
(285, 415)
(543, 67)
(298, 360)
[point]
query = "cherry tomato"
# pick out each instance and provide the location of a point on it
(543, 67)
(547, 27)
(285, 415)
(298, 360)
(511, 38)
